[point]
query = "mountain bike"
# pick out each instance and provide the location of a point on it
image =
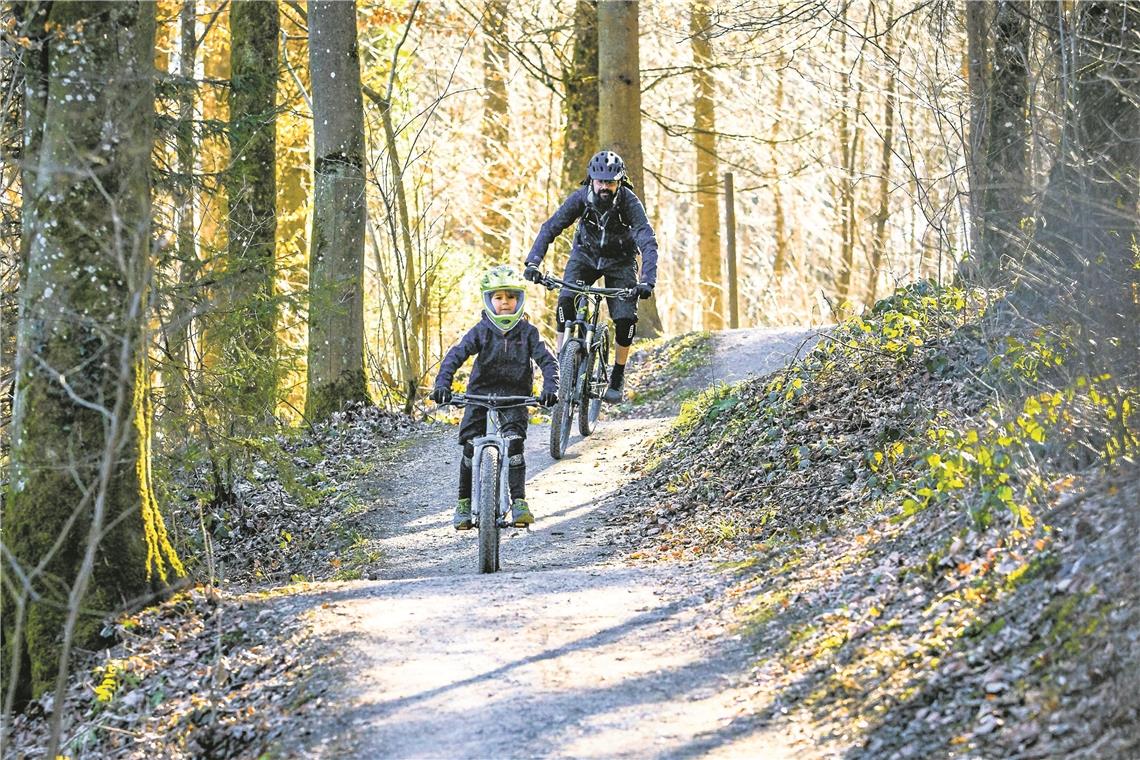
(583, 362)
(490, 493)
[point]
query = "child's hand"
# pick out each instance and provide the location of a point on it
(440, 395)
(548, 398)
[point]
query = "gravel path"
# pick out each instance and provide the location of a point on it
(568, 652)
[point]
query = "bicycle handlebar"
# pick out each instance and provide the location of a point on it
(497, 402)
(551, 282)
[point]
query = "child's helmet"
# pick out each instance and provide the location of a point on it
(606, 165)
(502, 278)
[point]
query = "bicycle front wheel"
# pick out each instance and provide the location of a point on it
(562, 416)
(488, 495)
(594, 385)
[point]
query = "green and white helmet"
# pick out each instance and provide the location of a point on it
(502, 278)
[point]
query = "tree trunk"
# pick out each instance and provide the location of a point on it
(580, 111)
(999, 139)
(780, 262)
(580, 108)
(847, 139)
(879, 241)
(73, 520)
(497, 159)
(248, 339)
(704, 138)
(977, 67)
(179, 325)
(1090, 207)
(336, 265)
(619, 109)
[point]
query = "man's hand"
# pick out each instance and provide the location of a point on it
(644, 290)
(531, 273)
(440, 395)
(548, 398)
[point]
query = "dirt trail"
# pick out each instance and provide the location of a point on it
(568, 652)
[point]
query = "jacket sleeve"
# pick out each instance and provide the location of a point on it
(568, 213)
(455, 357)
(545, 361)
(643, 236)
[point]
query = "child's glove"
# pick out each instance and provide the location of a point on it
(548, 398)
(644, 290)
(440, 395)
(531, 273)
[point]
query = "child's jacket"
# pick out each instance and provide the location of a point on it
(502, 360)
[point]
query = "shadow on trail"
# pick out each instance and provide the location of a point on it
(611, 703)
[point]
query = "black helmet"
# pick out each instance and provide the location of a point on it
(606, 165)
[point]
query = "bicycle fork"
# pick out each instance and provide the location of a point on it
(481, 444)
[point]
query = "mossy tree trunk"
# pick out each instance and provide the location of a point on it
(336, 264)
(72, 520)
(619, 111)
(246, 326)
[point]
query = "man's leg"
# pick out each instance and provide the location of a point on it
(624, 315)
(625, 329)
(576, 270)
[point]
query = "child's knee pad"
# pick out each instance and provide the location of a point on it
(624, 330)
(515, 452)
(565, 312)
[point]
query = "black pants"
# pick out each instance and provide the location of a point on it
(514, 423)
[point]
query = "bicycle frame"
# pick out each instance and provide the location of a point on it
(587, 306)
(490, 520)
(582, 361)
(491, 439)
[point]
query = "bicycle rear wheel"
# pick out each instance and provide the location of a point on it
(488, 495)
(562, 416)
(597, 363)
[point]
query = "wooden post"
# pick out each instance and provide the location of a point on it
(730, 250)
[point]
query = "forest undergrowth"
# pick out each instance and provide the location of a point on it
(212, 670)
(933, 521)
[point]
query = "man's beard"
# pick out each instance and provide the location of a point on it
(606, 198)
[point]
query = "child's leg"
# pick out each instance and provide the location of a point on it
(516, 471)
(470, 427)
(465, 471)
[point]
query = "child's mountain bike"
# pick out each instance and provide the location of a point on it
(583, 362)
(490, 494)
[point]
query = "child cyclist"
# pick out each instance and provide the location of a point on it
(504, 344)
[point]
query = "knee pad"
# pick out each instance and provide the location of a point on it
(468, 452)
(624, 330)
(515, 452)
(565, 312)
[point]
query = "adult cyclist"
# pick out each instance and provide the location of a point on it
(612, 230)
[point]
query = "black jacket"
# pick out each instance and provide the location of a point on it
(604, 238)
(502, 360)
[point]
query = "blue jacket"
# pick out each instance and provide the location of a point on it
(502, 360)
(603, 238)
